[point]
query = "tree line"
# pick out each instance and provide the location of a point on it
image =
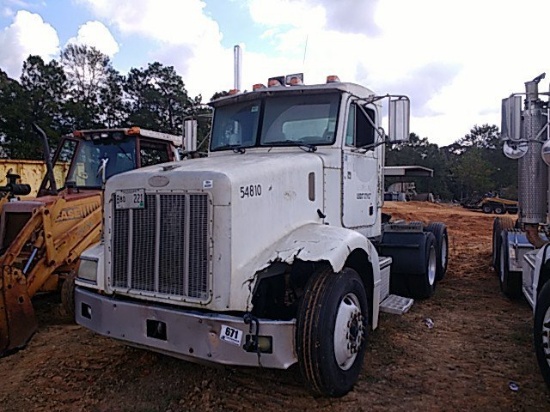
(82, 90)
(474, 165)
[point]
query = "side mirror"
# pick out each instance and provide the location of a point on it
(190, 135)
(511, 118)
(399, 116)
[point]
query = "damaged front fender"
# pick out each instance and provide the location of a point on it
(313, 243)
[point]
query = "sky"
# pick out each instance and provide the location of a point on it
(456, 60)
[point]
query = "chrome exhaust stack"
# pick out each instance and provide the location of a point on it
(525, 135)
(532, 171)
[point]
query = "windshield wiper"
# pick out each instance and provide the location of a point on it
(308, 147)
(237, 148)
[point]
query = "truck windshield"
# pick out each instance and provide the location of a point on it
(235, 126)
(85, 169)
(304, 119)
(308, 119)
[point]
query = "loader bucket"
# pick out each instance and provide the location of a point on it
(17, 319)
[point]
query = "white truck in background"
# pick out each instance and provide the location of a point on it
(272, 250)
(521, 249)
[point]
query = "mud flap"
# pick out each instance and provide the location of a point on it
(17, 319)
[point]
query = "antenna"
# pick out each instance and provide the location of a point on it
(305, 51)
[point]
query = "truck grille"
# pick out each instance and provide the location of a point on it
(163, 248)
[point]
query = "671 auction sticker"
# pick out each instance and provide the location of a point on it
(231, 335)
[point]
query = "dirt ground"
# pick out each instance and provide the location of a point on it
(477, 352)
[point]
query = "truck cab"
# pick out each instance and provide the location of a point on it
(265, 253)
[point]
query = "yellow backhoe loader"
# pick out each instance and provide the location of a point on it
(42, 238)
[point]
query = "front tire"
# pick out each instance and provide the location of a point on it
(541, 332)
(331, 331)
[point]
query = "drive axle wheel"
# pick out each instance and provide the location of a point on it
(439, 231)
(499, 224)
(541, 332)
(423, 286)
(331, 331)
(510, 280)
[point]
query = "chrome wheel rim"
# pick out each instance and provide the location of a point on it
(546, 336)
(349, 331)
(432, 266)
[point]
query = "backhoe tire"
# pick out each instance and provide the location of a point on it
(487, 208)
(541, 332)
(439, 231)
(499, 224)
(67, 296)
(331, 331)
(510, 281)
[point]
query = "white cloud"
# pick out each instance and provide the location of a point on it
(456, 60)
(171, 22)
(28, 34)
(296, 13)
(350, 16)
(95, 34)
(186, 38)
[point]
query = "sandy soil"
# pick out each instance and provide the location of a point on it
(479, 347)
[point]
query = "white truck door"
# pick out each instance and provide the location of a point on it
(360, 169)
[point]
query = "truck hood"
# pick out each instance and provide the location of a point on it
(220, 175)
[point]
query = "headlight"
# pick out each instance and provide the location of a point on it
(88, 270)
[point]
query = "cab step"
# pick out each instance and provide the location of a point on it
(397, 305)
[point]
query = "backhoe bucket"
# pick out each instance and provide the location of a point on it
(17, 319)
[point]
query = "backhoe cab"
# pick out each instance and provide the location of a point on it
(41, 238)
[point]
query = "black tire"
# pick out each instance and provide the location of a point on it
(499, 224)
(332, 299)
(541, 332)
(423, 286)
(487, 208)
(510, 281)
(439, 231)
(67, 296)
(499, 209)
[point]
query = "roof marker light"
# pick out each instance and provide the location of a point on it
(333, 79)
(258, 86)
(294, 79)
(134, 130)
(233, 92)
(276, 81)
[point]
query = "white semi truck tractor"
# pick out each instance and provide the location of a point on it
(271, 251)
(521, 248)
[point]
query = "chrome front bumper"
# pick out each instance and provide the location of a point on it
(190, 335)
